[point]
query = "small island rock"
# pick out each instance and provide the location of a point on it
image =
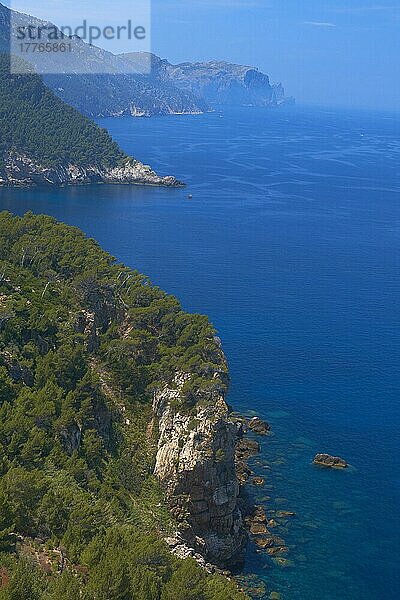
(326, 460)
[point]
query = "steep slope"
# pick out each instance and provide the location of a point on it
(106, 389)
(44, 141)
(217, 82)
(105, 85)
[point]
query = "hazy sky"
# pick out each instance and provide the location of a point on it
(344, 52)
(337, 52)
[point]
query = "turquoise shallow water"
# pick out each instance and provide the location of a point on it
(291, 246)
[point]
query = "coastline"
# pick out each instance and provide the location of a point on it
(19, 170)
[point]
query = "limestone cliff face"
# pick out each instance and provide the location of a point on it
(19, 169)
(196, 465)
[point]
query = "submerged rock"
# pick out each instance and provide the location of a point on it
(326, 460)
(265, 542)
(272, 523)
(282, 562)
(277, 550)
(259, 481)
(252, 585)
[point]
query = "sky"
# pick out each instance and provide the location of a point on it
(326, 52)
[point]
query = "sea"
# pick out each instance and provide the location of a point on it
(291, 245)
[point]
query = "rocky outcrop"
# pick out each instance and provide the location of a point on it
(18, 372)
(102, 308)
(259, 426)
(326, 460)
(19, 169)
(196, 465)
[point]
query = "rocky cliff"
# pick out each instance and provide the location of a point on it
(19, 169)
(196, 465)
(217, 82)
(195, 457)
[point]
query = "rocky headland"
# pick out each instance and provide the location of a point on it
(216, 82)
(18, 169)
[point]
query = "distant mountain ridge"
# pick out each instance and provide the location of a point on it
(97, 82)
(119, 85)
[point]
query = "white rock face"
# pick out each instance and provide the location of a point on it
(21, 170)
(195, 463)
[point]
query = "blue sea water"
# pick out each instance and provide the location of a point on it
(291, 245)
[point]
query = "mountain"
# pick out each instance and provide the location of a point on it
(45, 141)
(114, 431)
(217, 82)
(97, 82)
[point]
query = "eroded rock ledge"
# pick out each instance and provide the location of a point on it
(20, 170)
(196, 465)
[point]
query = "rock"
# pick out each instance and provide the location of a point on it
(17, 371)
(264, 542)
(326, 460)
(172, 541)
(259, 481)
(259, 426)
(282, 514)
(282, 562)
(243, 472)
(278, 541)
(259, 515)
(245, 449)
(252, 585)
(275, 596)
(257, 528)
(272, 523)
(202, 490)
(277, 550)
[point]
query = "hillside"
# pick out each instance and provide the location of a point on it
(45, 141)
(105, 85)
(90, 359)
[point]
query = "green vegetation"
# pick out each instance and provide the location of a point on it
(84, 342)
(34, 122)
